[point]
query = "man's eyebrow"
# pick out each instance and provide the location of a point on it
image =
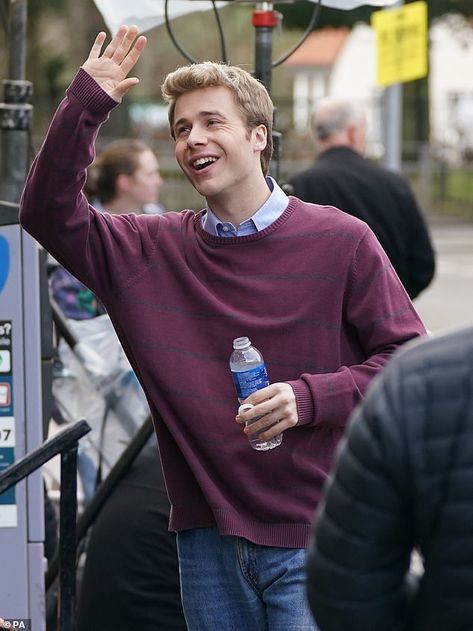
(181, 121)
(203, 114)
(211, 113)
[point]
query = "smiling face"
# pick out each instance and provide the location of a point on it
(217, 153)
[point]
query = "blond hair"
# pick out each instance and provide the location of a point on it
(251, 97)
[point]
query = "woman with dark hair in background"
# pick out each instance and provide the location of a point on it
(125, 178)
(131, 576)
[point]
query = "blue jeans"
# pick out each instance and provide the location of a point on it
(231, 584)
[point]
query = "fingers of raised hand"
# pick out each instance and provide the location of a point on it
(117, 44)
(97, 45)
(123, 49)
(134, 54)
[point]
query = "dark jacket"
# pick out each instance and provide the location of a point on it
(403, 480)
(131, 577)
(383, 199)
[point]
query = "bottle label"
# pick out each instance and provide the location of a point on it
(249, 381)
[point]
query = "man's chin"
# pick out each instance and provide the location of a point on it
(206, 189)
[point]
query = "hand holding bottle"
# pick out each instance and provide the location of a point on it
(276, 406)
(266, 409)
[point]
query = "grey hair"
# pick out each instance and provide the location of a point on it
(334, 115)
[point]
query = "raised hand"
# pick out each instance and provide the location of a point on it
(110, 68)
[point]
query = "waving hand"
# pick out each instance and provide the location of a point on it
(110, 68)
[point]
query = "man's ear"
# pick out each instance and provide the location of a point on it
(356, 137)
(260, 137)
(122, 183)
(352, 135)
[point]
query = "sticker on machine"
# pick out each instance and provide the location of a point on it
(8, 508)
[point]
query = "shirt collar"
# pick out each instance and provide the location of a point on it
(267, 214)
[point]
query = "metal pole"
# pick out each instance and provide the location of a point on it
(15, 112)
(392, 123)
(264, 19)
(17, 37)
(67, 539)
(393, 127)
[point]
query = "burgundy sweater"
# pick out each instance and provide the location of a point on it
(314, 291)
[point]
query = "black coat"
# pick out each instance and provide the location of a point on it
(403, 480)
(131, 574)
(381, 198)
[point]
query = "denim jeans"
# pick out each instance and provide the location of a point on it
(231, 584)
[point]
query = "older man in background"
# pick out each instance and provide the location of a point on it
(344, 178)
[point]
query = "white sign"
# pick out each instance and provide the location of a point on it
(5, 360)
(8, 508)
(146, 14)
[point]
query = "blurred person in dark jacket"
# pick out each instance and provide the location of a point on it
(131, 574)
(403, 481)
(344, 178)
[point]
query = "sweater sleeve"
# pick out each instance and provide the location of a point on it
(379, 316)
(100, 249)
(360, 551)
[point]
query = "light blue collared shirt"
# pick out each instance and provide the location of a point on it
(271, 210)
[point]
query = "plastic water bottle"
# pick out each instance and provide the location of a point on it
(249, 374)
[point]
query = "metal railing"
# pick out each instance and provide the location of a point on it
(93, 508)
(65, 443)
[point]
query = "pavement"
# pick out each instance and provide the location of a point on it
(448, 301)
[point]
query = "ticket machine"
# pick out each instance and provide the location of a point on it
(21, 423)
(25, 355)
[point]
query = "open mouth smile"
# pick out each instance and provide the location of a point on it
(202, 163)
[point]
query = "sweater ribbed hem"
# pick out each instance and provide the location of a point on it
(95, 100)
(305, 404)
(230, 523)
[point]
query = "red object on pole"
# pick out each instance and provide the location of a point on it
(265, 18)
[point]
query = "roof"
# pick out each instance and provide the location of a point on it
(321, 48)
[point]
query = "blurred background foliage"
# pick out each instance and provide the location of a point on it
(297, 15)
(60, 33)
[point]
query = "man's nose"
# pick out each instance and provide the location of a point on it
(196, 136)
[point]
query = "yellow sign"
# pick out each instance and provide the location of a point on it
(401, 43)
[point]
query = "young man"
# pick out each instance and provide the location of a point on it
(308, 284)
(344, 178)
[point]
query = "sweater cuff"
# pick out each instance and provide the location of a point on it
(305, 403)
(88, 92)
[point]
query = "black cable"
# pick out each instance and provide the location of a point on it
(223, 47)
(183, 52)
(309, 29)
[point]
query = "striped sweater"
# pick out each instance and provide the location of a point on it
(314, 291)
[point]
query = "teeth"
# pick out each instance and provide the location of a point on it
(202, 161)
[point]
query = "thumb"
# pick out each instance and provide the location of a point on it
(122, 88)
